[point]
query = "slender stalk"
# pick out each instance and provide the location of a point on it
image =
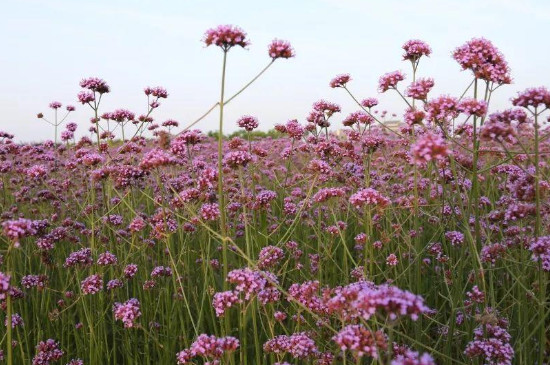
(9, 313)
(223, 224)
(541, 273)
(220, 169)
(55, 129)
(250, 82)
(230, 99)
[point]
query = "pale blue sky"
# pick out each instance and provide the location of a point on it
(48, 46)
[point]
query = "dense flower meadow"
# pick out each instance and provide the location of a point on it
(426, 243)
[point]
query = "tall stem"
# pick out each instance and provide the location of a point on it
(542, 278)
(220, 167)
(55, 130)
(475, 179)
(221, 197)
(537, 177)
(9, 313)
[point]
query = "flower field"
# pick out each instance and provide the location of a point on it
(151, 242)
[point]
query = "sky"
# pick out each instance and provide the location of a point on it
(49, 46)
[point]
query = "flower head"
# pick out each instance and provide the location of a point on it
(419, 89)
(95, 84)
(47, 352)
(249, 123)
(533, 97)
(414, 49)
(85, 97)
(127, 312)
(429, 147)
(482, 58)
(340, 81)
(390, 80)
(473, 107)
(226, 37)
(280, 49)
(369, 102)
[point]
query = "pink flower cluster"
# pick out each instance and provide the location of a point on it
(248, 123)
(127, 312)
(360, 341)
(223, 301)
(17, 229)
(158, 92)
(270, 256)
(414, 49)
(325, 194)
(492, 343)
(81, 257)
(209, 347)
(390, 80)
(4, 285)
(369, 102)
(358, 117)
(429, 147)
(420, 88)
(280, 49)
(95, 84)
(441, 109)
(210, 211)
(340, 81)
(369, 196)
(91, 285)
(298, 345)
(119, 115)
(540, 249)
(482, 58)
(226, 36)
(473, 107)
(156, 158)
(235, 159)
(364, 299)
(410, 357)
(47, 352)
(533, 97)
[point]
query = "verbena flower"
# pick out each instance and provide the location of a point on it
(226, 37)
(485, 61)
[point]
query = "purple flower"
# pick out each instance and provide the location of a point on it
(390, 81)
(226, 37)
(368, 196)
(223, 301)
(540, 249)
(55, 105)
(414, 49)
(95, 84)
(420, 88)
(485, 61)
(85, 97)
(127, 312)
(360, 341)
(210, 347)
(429, 147)
(473, 107)
(533, 97)
(91, 285)
(299, 345)
(248, 122)
(17, 229)
(369, 102)
(280, 49)
(47, 352)
(340, 81)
